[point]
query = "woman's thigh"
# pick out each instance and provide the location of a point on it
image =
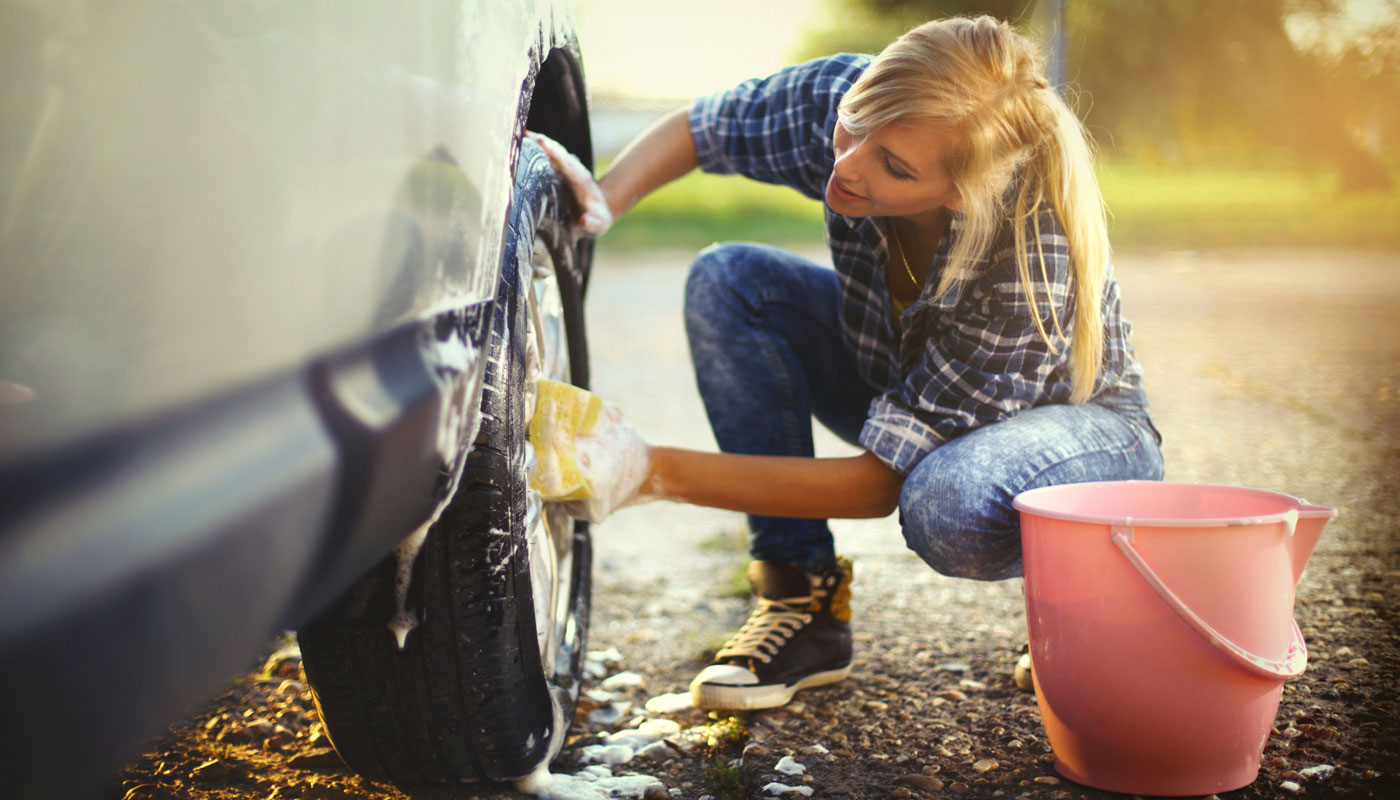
(956, 509)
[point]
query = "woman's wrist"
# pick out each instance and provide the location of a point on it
(655, 484)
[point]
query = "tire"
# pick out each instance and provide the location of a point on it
(486, 683)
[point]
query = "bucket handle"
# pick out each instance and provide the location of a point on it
(1291, 665)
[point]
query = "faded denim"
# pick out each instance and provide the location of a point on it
(766, 344)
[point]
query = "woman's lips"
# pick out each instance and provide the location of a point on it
(842, 192)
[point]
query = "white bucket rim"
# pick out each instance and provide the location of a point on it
(1031, 502)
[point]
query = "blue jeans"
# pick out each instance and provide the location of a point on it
(766, 343)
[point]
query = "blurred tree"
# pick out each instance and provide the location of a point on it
(866, 26)
(1171, 79)
(1168, 76)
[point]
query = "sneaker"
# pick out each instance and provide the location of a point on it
(798, 637)
(1021, 675)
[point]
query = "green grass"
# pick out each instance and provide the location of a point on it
(727, 540)
(724, 779)
(1199, 207)
(701, 209)
(1187, 207)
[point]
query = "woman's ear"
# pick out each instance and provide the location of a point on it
(955, 204)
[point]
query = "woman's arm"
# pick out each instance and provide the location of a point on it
(659, 155)
(853, 487)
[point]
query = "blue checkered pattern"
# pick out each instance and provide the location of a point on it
(951, 364)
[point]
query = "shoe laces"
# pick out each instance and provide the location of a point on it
(770, 625)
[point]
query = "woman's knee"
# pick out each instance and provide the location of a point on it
(716, 275)
(958, 525)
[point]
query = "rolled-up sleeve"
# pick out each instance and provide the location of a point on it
(979, 358)
(776, 129)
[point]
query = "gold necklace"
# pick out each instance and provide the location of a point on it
(903, 260)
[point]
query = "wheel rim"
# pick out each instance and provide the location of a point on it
(549, 530)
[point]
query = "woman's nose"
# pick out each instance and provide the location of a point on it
(847, 165)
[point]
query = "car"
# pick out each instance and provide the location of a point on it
(277, 282)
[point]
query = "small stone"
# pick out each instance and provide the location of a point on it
(669, 703)
(774, 789)
(656, 792)
(876, 705)
(924, 783)
(1318, 731)
(953, 666)
(1342, 652)
(622, 680)
(901, 793)
(1290, 786)
(260, 728)
(285, 663)
(986, 765)
(787, 765)
(656, 751)
(320, 758)
(213, 769)
(953, 694)
(1358, 662)
(971, 685)
(755, 751)
(289, 686)
(1321, 771)
(1048, 780)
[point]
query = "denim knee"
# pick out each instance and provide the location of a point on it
(957, 525)
(711, 285)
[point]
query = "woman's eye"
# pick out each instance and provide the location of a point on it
(896, 172)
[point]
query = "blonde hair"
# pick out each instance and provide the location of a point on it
(985, 84)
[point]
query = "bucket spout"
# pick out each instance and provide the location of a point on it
(1311, 520)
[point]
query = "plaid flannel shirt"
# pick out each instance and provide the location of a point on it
(951, 364)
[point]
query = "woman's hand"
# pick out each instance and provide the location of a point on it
(594, 215)
(617, 462)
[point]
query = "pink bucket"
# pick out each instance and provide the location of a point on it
(1161, 627)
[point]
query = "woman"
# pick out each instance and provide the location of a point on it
(969, 338)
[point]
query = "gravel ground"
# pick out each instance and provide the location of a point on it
(1269, 369)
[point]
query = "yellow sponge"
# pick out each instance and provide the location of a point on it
(562, 413)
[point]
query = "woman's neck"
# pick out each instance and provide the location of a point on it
(922, 232)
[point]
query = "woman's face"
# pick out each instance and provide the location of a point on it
(894, 171)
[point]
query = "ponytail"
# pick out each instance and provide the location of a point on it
(1060, 172)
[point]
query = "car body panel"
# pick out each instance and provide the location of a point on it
(166, 162)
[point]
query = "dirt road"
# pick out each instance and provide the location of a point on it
(1271, 369)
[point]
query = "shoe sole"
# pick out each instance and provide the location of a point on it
(743, 698)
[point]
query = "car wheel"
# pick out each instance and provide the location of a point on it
(485, 683)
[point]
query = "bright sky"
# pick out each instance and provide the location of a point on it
(659, 48)
(662, 48)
